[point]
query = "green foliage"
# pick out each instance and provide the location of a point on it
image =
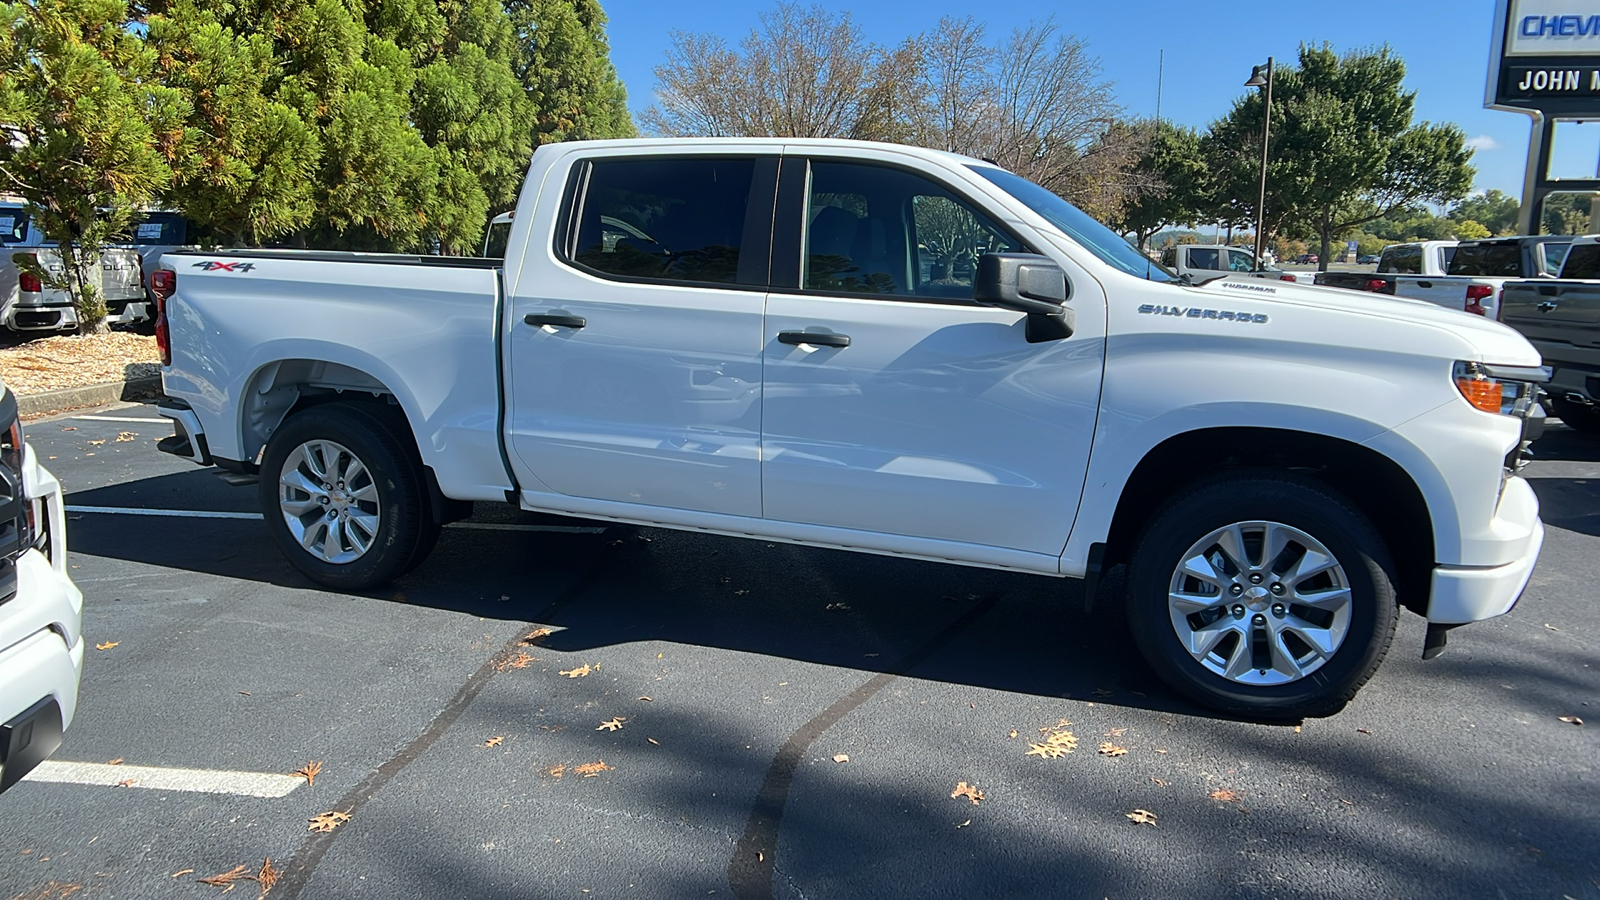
(563, 61)
(89, 132)
(1343, 149)
(1493, 209)
(1171, 157)
(1566, 214)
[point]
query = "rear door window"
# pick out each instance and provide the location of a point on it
(13, 226)
(666, 219)
(1401, 261)
(1502, 259)
(1240, 261)
(1583, 261)
(1203, 258)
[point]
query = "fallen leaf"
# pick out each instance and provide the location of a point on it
(1159, 782)
(495, 741)
(740, 593)
(965, 824)
(1362, 731)
(1551, 627)
(535, 636)
(841, 757)
(969, 791)
(328, 821)
(579, 672)
(1045, 751)
(590, 770)
(181, 872)
(1226, 795)
(1570, 720)
(1297, 729)
(647, 699)
(1142, 817)
(97, 443)
(114, 762)
(521, 661)
(126, 782)
(309, 771)
(1013, 734)
(68, 428)
(125, 436)
(838, 606)
(1109, 749)
(226, 879)
(556, 771)
(268, 876)
(612, 724)
(654, 741)
(107, 645)
(246, 693)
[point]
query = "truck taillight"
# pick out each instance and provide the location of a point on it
(1377, 286)
(163, 283)
(1476, 294)
(29, 283)
(1285, 277)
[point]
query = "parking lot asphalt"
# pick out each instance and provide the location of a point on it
(466, 746)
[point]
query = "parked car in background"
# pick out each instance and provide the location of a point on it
(1465, 275)
(154, 234)
(28, 305)
(784, 339)
(1369, 259)
(1201, 262)
(1562, 319)
(41, 611)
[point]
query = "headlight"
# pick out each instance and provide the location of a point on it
(1503, 390)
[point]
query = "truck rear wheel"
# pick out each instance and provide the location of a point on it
(343, 499)
(1262, 595)
(1578, 416)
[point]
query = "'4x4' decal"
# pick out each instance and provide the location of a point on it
(212, 265)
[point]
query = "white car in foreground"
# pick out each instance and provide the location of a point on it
(41, 611)
(889, 350)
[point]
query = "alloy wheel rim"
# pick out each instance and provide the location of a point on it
(329, 501)
(1260, 603)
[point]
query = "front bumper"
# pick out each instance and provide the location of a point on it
(1462, 594)
(41, 638)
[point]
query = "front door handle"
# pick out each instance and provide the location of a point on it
(1425, 284)
(814, 338)
(558, 320)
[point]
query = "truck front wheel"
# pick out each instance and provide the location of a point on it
(1263, 595)
(342, 497)
(1578, 416)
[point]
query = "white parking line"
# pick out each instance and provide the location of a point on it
(121, 419)
(206, 781)
(207, 514)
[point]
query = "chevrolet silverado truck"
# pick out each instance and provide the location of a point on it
(1562, 320)
(27, 304)
(41, 611)
(890, 350)
(1473, 274)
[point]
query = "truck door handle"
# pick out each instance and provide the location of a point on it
(557, 320)
(1424, 284)
(814, 338)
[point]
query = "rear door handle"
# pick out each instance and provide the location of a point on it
(1424, 284)
(558, 320)
(814, 338)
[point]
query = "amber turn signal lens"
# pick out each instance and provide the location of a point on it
(1483, 393)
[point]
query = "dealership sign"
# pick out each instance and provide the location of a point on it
(1545, 57)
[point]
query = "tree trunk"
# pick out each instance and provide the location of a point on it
(1325, 234)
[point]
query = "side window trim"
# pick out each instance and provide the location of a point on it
(788, 231)
(755, 260)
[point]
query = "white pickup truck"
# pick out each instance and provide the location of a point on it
(1463, 275)
(28, 305)
(1202, 262)
(891, 350)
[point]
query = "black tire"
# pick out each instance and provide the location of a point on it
(1319, 514)
(1579, 417)
(405, 529)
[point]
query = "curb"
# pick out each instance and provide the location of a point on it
(34, 405)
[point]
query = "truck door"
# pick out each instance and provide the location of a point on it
(894, 404)
(635, 340)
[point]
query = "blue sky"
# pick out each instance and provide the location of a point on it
(1209, 51)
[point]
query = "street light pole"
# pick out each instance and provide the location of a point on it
(1258, 78)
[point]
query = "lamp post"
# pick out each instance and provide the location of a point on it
(1261, 76)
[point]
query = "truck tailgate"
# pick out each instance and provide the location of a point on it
(1553, 312)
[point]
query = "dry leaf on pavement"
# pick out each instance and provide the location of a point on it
(114, 762)
(268, 876)
(309, 771)
(590, 770)
(328, 821)
(181, 872)
(969, 791)
(1109, 749)
(97, 443)
(535, 636)
(1013, 734)
(841, 757)
(612, 724)
(1142, 817)
(495, 741)
(556, 771)
(125, 436)
(1226, 795)
(226, 879)
(1045, 751)
(579, 672)
(1570, 720)
(107, 645)
(520, 661)
(127, 782)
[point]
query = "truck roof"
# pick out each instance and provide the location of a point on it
(774, 143)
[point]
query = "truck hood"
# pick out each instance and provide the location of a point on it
(1488, 340)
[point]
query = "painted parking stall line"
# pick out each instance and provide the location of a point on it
(162, 778)
(121, 419)
(256, 517)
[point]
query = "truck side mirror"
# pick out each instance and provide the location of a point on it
(1028, 283)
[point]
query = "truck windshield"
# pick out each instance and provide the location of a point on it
(1104, 243)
